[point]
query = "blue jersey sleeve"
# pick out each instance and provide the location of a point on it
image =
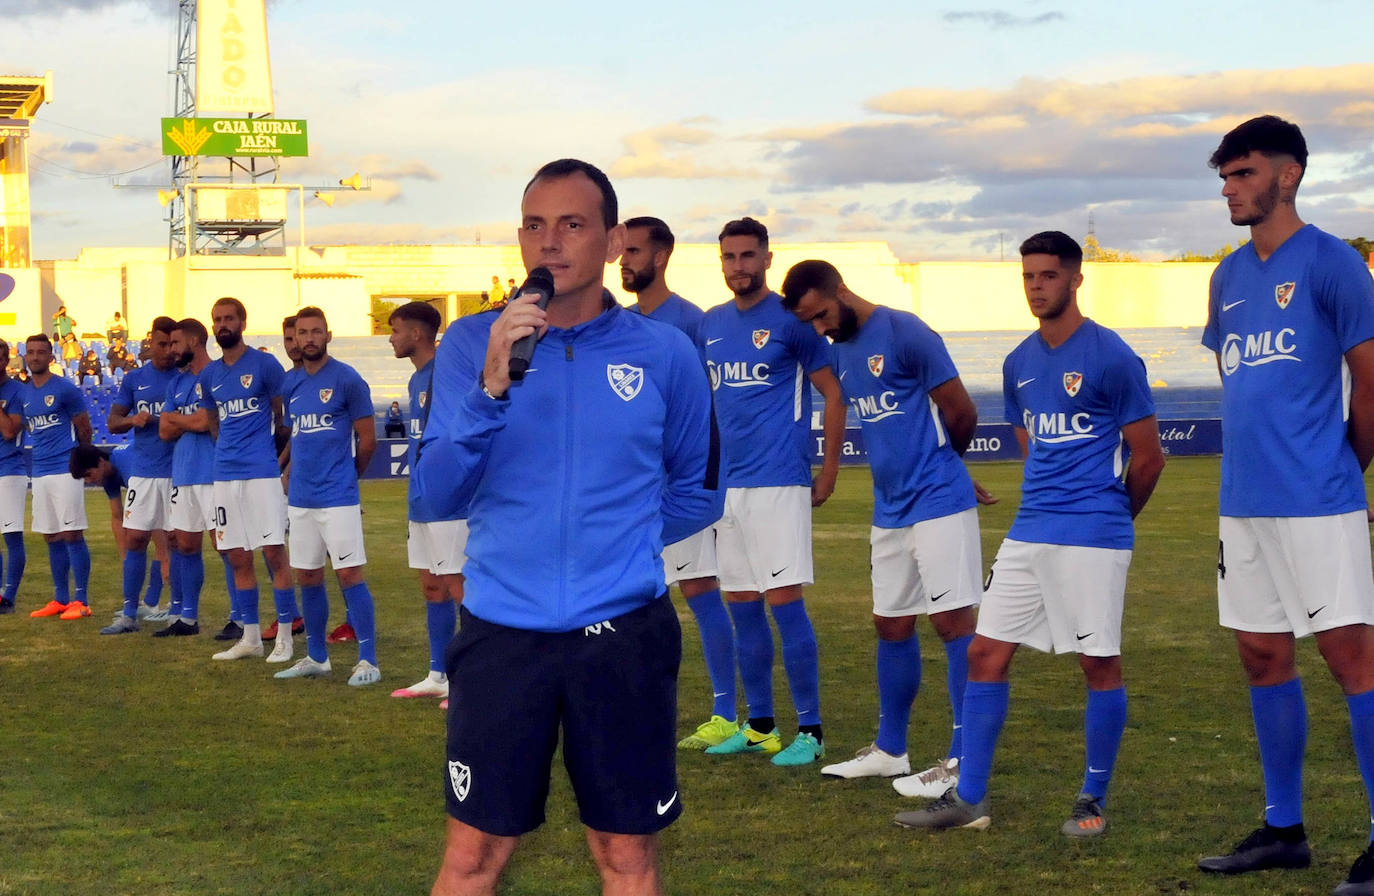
(72, 401)
(1011, 408)
(923, 352)
(692, 495)
(1130, 389)
(124, 396)
(1345, 295)
(359, 399)
(1210, 337)
(810, 348)
(273, 374)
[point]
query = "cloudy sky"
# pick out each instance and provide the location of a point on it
(944, 129)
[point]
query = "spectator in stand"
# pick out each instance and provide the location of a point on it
(395, 422)
(145, 349)
(498, 293)
(89, 369)
(116, 357)
(71, 355)
(116, 328)
(63, 324)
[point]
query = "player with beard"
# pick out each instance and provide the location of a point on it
(917, 420)
(691, 563)
(245, 389)
(329, 405)
(57, 421)
(14, 479)
(759, 357)
(146, 501)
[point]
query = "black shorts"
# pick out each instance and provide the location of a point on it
(611, 688)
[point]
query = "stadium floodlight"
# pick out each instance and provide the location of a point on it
(355, 182)
(166, 196)
(326, 198)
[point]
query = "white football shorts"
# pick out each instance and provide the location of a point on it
(146, 502)
(928, 567)
(764, 539)
(59, 504)
(14, 491)
(692, 558)
(439, 547)
(249, 513)
(332, 533)
(192, 507)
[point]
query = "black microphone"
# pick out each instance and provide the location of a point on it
(540, 281)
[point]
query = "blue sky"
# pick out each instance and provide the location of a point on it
(934, 126)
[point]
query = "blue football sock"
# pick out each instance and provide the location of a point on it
(192, 582)
(441, 620)
(176, 581)
(1362, 733)
(755, 645)
(1280, 715)
(248, 605)
(135, 567)
(80, 555)
(235, 613)
(315, 603)
(18, 555)
(1104, 721)
(284, 599)
(800, 659)
(364, 620)
(985, 709)
(60, 561)
(718, 648)
(956, 680)
(899, 679)
(154, 595)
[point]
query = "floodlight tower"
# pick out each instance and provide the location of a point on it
(183, 106)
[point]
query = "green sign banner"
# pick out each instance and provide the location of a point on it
(233, 137)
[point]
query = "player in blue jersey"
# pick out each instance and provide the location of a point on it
(690, 563)
(760, 359)
(576, 477)
(1081, 408)
(917, 420)
(137, 407)
(329, 405)
(57, 421)
(185, 423)
(245, 388)
(1291, 318)
(436, 536)
(14, 480)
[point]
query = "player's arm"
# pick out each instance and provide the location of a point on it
(11, 425)
(1147, 460)
(81, 423)
(1360, 430)
(171, 424)
(832, 426)
(366, 431)
(120, 421)
(279, 426)
(958, 411)
(1022, 441)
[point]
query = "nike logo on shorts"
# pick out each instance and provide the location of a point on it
(1081, 637)
(1316, 611)
(938, 596)
(345, 556)
(663, 807)
(684, 566)
(779, 572)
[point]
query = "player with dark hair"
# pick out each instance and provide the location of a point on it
(690, 563)
(1080, 404)
(436, 535)
(760, 359)
(1291, 318)
(917, 420)
(14, 479)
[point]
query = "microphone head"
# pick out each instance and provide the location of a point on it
(540, 279)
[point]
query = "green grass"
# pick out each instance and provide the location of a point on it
(133, 765)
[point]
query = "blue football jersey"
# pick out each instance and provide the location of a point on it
(48, 414)
(420, 387)
(1281, 328)
(759, 361)
(242, 397)
(678, 312)
(1073, 401)
(145, 389)
(886, 373)
(322, 408)
(12, 451)
(193, 453)
(123, 460)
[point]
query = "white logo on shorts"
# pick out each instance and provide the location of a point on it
(626, 381)
(595, 628)
(460, 776)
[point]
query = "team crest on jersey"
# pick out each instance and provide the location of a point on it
(1283, 293)
(424, 398)
(48, 399)
(460, 776)
(1073, 381)
(760, 338)
(626, 381)
(875, 365)
(247, 380)
(198, 392)
(325, 395)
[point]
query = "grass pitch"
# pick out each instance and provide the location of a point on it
(134, 765)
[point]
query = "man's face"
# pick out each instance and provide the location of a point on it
(404, 339)
(744, 262)
(640, 261)
(38, 355)
(98, 473)
(828, 315)
(1251, 187)
(163, 356)
(228, 325)
(312, 338)
(288, 343)
(562, 229)
(1050, 286)
(182, 354)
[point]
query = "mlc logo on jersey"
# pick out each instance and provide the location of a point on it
(325, 395)
(1255, 349)
(1283, 294)
(875, 365)
(760, 338)
(1073, 381)
(247, 380)
(460, 776)
(626, 381)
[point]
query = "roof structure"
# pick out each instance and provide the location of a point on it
(20, 95)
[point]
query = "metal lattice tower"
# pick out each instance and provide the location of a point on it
(183, 106)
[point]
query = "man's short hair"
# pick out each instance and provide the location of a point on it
(806, 276)
(233, 303)
(610, 208)
(40, 337)
(1056, 243)
(1267, 135)
(311, 311)
(659, 233)
(195, 328)
(289, 322)
(85, 458)
(163, 324)
(422, 313)
(745, 226)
